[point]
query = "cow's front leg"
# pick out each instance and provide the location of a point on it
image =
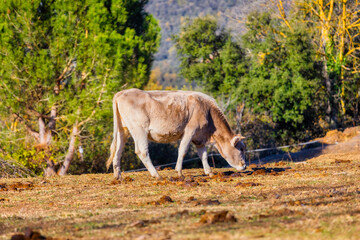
(184, 146)
(204, 158)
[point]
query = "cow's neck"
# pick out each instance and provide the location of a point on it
(223, 133)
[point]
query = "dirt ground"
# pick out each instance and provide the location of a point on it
(315, 199)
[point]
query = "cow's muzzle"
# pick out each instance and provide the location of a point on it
(243, 167)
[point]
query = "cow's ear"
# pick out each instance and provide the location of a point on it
(237, 138)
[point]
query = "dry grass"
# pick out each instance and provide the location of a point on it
(317, 199)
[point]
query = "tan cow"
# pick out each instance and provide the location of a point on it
(167, 116)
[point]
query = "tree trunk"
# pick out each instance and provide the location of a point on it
(45, 134)
(326, 42)
(42, 134)
(52, 121)
(331, 111)
(71, 150)
(50, 169)
(341, 57)
(44, 142)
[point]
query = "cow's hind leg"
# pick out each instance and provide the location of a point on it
(142, 151)
(121, 141)
(201, 150)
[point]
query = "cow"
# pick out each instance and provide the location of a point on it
(168, 116)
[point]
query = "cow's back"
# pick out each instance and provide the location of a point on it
(164, 114)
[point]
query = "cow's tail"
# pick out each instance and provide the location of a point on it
(116, 136)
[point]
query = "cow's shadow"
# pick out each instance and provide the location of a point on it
(308, 152)
(274, 156)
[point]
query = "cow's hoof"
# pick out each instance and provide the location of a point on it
(211, 174)
(179, 172)
(116, 181)
(159, 178)
(117, 176)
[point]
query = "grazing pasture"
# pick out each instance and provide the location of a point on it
(316, 199)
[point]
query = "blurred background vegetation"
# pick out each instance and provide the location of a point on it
(282, 71)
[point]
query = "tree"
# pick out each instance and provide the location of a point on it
(336, 26)
(63, 60)
(283, 81)
(209, 56)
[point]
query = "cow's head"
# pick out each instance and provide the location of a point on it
(234, 152)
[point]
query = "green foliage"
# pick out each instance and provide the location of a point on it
(31, 159)
(22, 150)
(282, 78)
(278, 81)
(209, 56)
(72, 56)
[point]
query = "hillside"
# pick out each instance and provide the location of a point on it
(172, 13)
